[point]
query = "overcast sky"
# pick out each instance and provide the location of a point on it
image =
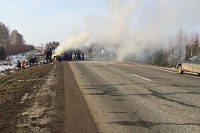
(42, 21)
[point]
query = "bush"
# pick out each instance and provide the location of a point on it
(161, 58)
(16, 49)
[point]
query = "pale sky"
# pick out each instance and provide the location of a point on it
(43, 21)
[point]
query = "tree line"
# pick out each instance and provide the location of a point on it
(12, 42)
(52, 44)
(179, 47)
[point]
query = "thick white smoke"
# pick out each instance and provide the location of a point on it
(112, 31)
(135, 25)
(76, 40)
(138, 25)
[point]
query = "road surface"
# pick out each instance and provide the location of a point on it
(130, 97)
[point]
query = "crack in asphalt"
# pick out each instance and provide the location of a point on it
(149, 125)
(161, 96)
(111, 90)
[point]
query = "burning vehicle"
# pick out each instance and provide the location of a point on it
(66, 56)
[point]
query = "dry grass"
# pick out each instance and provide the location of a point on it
(12, 89)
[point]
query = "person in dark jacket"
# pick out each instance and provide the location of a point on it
(82, 55)
(78, 55)
(48, 55)
(18, 64)
(32, 61)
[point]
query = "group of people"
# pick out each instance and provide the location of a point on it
(79, 55)
(66, 56)
(21, 64)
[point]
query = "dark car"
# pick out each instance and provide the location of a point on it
(192, 64)
(66, 56)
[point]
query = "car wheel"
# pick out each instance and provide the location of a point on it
(179, 70)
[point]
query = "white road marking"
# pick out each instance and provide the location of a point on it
(141, 77)
(154, 67)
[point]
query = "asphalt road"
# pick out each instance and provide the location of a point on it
(129, 97)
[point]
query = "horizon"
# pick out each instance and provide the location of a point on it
(46, 21)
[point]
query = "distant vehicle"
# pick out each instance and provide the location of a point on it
(192, 64)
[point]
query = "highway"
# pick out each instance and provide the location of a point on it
(130, 97)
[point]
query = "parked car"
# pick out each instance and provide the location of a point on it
(192, 64)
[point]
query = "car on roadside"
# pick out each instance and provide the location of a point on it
(191, 64)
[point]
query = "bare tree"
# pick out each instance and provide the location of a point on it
(196, 43)
(16, 38)
(4, 35)
(180, 44)
(192, 46)
(170, 55)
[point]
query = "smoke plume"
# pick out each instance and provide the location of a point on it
(112, 31)
(76, 40)
(135, 25)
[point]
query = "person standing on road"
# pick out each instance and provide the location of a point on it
(78, 55)
(82, 55)
(70, 56)
(75, 55)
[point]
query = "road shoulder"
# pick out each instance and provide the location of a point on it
(78, 116)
